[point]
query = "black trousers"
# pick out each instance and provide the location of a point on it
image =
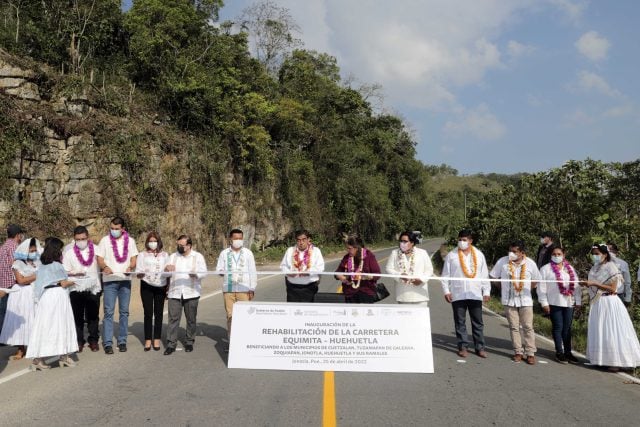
(360, 298)
(460, 308)
(153, 305)
(86, 307)
(301, 293)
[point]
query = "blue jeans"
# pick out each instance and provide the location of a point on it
(561, 318)
(122, 291)
(460, 308)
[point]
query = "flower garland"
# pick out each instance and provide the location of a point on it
(90, 258)
(463, 265)
(303, 264)
(518, 285)
(356, 278)
(125, 252)
(402, 264)
(572, 277)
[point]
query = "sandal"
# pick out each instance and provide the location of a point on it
(38, 365)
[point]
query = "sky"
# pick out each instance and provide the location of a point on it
(487, 86)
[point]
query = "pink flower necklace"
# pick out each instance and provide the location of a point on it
(125, 250)
(355, 279)
(572, 277)
(91, 256)
(303, 264)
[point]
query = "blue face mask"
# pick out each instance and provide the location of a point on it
(32, 256)
(116, 233)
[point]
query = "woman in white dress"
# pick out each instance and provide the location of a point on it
(54, 329)
(611, 338)
(20, 306)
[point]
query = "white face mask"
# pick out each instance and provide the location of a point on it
(595, 259)
(513, 256)
(557, 259)
(542, 242)
(404, 246)
(463, 244)
(237, 244)
(153, 245)
(82, 244)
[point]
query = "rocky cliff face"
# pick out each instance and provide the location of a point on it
(70, 166)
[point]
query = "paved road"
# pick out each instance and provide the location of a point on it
(196, 389)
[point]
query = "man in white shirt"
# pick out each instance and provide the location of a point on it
(467, 262)
(80, 260)
(413, 262)
(625, 295)
(517, 299)
(188, 268)
(238, 267)
(116, 255)
(297, 261)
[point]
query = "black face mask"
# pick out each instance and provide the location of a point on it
(181, 250)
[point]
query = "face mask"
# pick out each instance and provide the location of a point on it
(181, 250)
(612, 255)
(404, 246)
(32, 256)
(116, 234)
(153, 245)
(557, 259)
(513, 256)
(542, 241)
(237, 244)
(82, 244)
(462, 244)
(595, 259)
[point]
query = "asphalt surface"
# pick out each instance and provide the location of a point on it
(197, 389)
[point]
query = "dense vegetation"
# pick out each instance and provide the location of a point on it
(287, 125)
(282, 122)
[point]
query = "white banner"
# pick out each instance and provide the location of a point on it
(331, 337)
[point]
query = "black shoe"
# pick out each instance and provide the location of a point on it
(156, 348)
(169, 350)
(147, 348)
(560, 358)
(108, 350)
(188, 348)
(122, 347)
(571, 358)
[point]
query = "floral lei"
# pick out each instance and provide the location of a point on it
(91, 256)
(303, 264)
(403, 265)
(125, 252)
(572, 277)
(356, 278)
(518, 285)
(464, 266)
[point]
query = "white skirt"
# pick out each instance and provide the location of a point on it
(54, 330)
(19, 318)
(611, 338)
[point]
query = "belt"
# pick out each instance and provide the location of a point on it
(57, 285)
(608, 294)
